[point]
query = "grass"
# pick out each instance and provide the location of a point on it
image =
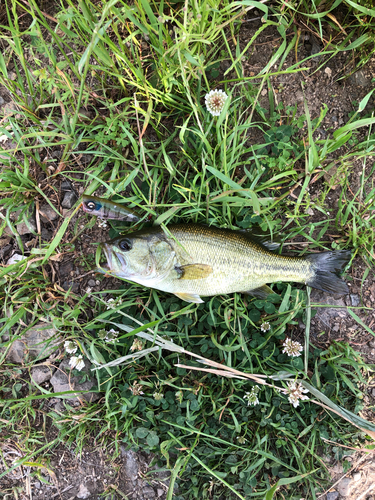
(141, 72)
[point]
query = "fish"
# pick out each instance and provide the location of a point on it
(194, 261)
(106, 209)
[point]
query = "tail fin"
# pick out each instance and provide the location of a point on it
(327, 266)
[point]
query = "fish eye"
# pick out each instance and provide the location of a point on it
(91, 205)
(125, 245)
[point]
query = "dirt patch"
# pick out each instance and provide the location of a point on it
(91, 473)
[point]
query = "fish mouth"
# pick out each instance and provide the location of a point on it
(116, 263)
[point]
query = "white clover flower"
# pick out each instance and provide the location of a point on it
(77, 362)
(241, 439)
(70, 347)
(252, 397)
(112, 336)
(265, 326)
(292, 348)
(114, 303)
(215, 101)
(102, 223)
(295, 392)
(158, 396)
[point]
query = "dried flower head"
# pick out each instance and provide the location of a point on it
(265, 326)
(295, 392)
(252, 397)
(136, 389)
(215, 101)
(137, 345)
(70, 347)
(292, 348)
(77, 362)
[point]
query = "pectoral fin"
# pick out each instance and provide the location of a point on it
(190, 297)
(262, 292)
(194, 271)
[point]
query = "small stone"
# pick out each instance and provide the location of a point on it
(355, 300)
(15, 258)
(328, 72)
(40, 374)
(37, 485)
(71, 285)
(130, 464)
(1, 101)
(46, 235)
(310, 211)
(338, 468)
(28, 228)
(38, 342)
(69, 199)
(91, 283)
(64, 380)
(160, 492)
(47, 213)
(336, 327)
(359, 78)
(357, 476)
(372, 343)
(299, 96)
(83, 492)
(66, 185)
(332, 495)
(148, 493)
(373, 392)
(344, 486)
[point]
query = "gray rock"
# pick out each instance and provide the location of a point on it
(359, 78)
(130, 464)
(83, 492)
(328, 314)
(46, 235)
(38, 342)
(148, 493)
(40, 374)
(47, 213)
(91, 283)
(69, 199)
(344, 486)
(71, 285)
(64, 380)
(28, 228)
(355, 300)
(332, 495)
(37, 485)
(357, 476)
(338, 468)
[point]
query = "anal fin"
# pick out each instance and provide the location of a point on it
(190, 297)
(261, 292)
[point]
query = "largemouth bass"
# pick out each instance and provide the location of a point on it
(106, 209)
(196, 261)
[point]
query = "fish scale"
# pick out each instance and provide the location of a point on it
(197, 260)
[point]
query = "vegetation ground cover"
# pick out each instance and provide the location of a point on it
(108, 98)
